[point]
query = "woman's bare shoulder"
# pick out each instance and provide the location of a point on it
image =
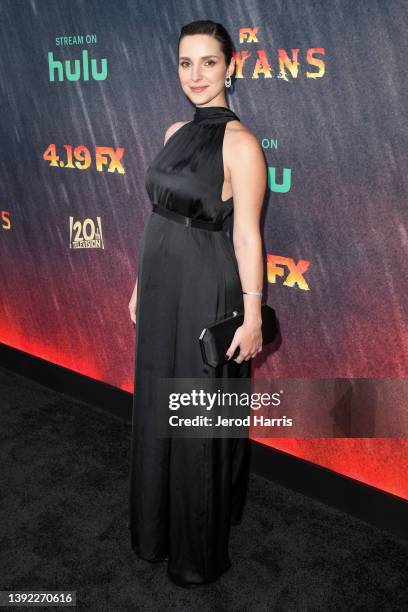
(240, 139)
(237, 132)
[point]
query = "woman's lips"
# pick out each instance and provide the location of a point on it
(198, 89)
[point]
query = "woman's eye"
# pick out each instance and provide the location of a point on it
(185, 64)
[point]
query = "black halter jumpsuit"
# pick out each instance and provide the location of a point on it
(185, 493)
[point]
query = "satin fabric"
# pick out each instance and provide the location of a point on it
(184, 493)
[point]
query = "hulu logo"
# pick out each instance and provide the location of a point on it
(65, 69)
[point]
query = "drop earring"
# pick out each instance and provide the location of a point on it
(227, 81)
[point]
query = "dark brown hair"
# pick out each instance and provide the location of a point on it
(213, 29)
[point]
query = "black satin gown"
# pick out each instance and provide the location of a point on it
(185, 493)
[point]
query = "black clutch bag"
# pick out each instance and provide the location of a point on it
(215, 340)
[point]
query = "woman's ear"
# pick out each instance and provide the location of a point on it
(231, 67)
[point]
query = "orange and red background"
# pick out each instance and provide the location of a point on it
(322, 85)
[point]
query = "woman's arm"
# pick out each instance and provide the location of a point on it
(248, 176)
(132, 304)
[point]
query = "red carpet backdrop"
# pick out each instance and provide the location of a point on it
(88, 90)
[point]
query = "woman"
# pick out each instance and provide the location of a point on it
(185, 493)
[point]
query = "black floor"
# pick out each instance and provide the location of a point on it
(63, 514)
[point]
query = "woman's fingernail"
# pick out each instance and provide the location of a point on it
(226, 356)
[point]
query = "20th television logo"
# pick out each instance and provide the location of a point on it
(85, 234)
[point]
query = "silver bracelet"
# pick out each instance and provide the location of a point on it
(253, 293)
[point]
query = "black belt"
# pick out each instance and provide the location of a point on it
(187, 221)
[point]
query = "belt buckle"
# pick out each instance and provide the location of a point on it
(187, 221)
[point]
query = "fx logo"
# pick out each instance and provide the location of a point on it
(275, 266)
(248, 35)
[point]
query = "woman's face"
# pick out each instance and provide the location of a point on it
(202, 68)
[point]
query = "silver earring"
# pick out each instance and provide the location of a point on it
(228, 81)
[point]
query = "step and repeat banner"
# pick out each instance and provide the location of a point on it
(88, 90)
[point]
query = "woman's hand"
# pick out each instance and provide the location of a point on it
(132, 304)
(249, 339)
